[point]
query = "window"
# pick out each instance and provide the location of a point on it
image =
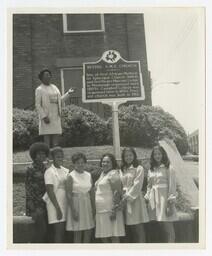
(72, 77)
(83, 23)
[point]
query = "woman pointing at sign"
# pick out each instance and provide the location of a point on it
(48, 102)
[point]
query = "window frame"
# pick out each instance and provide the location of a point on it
(62, 76)
(63, 88)
(66, 31)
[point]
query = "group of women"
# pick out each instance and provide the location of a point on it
(112, 202)
(111, 206)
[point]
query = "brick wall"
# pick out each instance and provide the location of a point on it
(137, 50)
(22, 61)
(46, 45)
(39, 42)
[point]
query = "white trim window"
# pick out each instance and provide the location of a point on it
(62, 71)
(72, 77)
(83, 23)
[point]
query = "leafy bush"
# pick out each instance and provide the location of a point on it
(82, 127)
(25, 128)
(142, 126)
(182, 202)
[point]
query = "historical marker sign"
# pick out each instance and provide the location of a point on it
(112, 79)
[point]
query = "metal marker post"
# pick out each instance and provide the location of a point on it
(115, 125)
(109, 81)
(116, 138)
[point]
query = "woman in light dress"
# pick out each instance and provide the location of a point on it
(55, 198)
(109, 226)
(161, 192)
(81, 208)
(48, 101)
(132, 176)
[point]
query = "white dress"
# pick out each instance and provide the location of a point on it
(48, 101)
(136, 210)
(160, 189)
(56, 177)
(105, 227)
(81, 186)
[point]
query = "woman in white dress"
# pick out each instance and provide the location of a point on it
(132, 176)
(55, 197)
(161, 192)
(81, 208)
(109, 227)
(48, 101)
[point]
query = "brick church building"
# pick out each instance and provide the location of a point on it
(62, 42)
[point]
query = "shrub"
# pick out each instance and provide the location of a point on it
(25, 128)
(182, 202)
(142, 126)
(82, 127)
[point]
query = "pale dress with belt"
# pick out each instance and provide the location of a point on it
(135, 210)
(105, 227)
(56, 177)
(48, 104)
(161, 188)
(81, 186)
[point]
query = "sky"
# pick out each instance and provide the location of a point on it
(175, 53)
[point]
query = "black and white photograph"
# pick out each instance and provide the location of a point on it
(107, 127)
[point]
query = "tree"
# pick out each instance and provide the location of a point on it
(143, 126)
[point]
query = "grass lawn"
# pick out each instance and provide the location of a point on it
(93, 152)
(18, 199)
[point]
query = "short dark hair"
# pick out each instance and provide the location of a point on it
(165, 159)
(36, 147)
(112, 158)
(40, 75)
(55, 150)
(78, 156)
(135, 160)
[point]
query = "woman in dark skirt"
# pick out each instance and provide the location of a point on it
(35, 189)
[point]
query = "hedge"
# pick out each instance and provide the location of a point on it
(25, 128)
(80, 128)
(143, 126)
(140, 126)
